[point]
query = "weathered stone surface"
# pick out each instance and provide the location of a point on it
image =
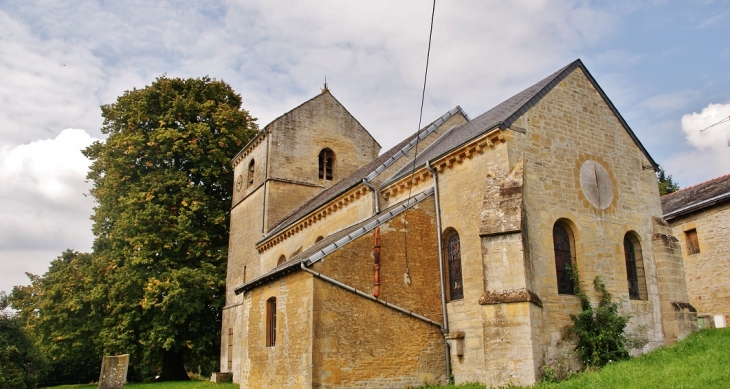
(707, 272)
(113, 372)
(522, 295)
(502, 209)
(502, 192)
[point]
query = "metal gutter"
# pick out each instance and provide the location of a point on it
(695, 206)
(367, 228)
(445, 326)
(318, 255)
(404, 151)
(375, 194)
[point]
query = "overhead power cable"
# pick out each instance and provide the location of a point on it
(406, 276)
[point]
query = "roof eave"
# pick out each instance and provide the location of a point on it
(698, 206)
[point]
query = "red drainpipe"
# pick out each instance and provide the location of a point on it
(376, 264)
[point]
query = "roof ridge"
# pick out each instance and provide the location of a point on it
(363, 172)
(697, 185)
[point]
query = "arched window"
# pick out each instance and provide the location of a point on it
(453, 257)
(281, 260)
(251, 170)
(271, 322)
(634, 268)
(326, 164)
(318, 239)
(564, 260)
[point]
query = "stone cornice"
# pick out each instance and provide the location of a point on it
(248, 148)
(448, 161)
(314, 217)
(521, 295)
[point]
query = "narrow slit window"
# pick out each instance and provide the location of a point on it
(230, 348)
(251, 170)
(271, 322)
(693, 245)
(635, 274)
(562, 243)
(453, 256)
(326, 164)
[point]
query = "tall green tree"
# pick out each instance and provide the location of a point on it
(163, 183)
(21, 363)
(666, 184)
(61, 310)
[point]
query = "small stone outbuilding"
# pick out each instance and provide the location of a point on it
(448, 253)
(700, 219)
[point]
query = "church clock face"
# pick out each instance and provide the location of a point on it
(596, 184)
(239, 183)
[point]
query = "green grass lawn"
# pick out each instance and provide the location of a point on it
(162, 385)
(700, 361)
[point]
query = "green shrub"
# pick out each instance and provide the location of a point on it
(600, 330)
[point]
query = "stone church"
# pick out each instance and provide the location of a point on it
(448, 254)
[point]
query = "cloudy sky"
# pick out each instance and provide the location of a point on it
(664, 64)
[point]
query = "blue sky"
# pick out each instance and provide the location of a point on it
(664, 64)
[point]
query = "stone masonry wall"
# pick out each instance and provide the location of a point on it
(285, 177)
(569, 126)
(679, 318)
(708, 271)
(299, 135)
(347, 214)
(288, 364)
(359, 343)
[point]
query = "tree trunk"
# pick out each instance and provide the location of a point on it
(173, 368)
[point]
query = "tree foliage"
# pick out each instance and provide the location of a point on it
(62, 310)
(666, 184)
(21, 363)
(163, 185)
(600, 330)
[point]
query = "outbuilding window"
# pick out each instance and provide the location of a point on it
(271, 322)
(564, 260)
(693, 245)
(326, 164)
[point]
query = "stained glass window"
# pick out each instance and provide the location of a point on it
(563, 259)
(456, 287)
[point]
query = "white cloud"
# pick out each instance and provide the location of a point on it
(59, 61)
(43, 209)
(51, 168)
(695, 127)
(710, 156)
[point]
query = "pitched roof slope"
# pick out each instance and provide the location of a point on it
(504, 114)
(696, 197)
(334, 241)
(372, 168)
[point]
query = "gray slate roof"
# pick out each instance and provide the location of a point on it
(697, 197)
(504, 114)
(334, 241)
(354, 179)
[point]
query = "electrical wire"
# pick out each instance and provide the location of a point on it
(727, 119)
(406, 276)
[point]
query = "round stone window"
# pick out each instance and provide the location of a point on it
(596, 184)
